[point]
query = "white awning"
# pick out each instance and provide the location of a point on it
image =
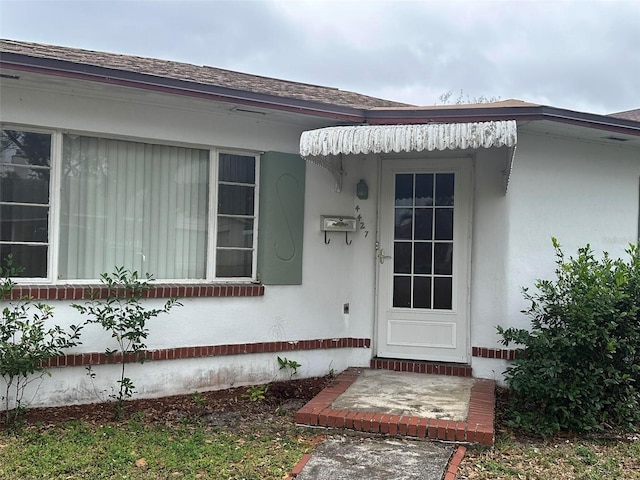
(326, 146)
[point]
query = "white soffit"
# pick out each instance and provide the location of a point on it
(326, 146)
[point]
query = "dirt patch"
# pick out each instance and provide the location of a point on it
(230, 407)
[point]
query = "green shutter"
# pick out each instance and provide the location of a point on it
(281, 221)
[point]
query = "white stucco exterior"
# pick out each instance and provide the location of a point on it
(576, 190)
(579, 191)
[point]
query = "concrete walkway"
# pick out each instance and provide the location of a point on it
(348, 457)
(399, 405)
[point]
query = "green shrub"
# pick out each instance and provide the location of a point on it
(580, 365)
(26, 343)
(123, 314)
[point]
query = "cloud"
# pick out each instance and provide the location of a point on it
(580, 55)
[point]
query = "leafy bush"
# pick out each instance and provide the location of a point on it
(26, 344)
(580, 366)
(123, 314)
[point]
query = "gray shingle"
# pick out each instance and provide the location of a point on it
(197, 74)
(628, 115)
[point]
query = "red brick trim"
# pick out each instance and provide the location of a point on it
(295, 471)
(159, 290)
(454, 463)
(478, 427)
(416, 366)
(499, 353)
(95, 358)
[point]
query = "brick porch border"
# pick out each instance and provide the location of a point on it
(414, 366)
(478, 428)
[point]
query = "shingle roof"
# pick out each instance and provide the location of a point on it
(197, 74)
(628, 114)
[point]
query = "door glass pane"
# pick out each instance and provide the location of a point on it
(402, 257)
(421, 292)
(422, 257)
(443, 258)
(423, 213)
(424, 219)
(424, 189)
(444, 189)
(404, 189)
(403, 224)
(401, 292)
(444, 224)
(442, 293)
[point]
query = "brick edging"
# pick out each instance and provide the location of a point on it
(454, 463)
(158, 290)
(417, 366)
(295, 471)
(100, 358)
(478, 428)
(498, 353)
(481, 414)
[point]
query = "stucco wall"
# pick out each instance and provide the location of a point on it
(577, 191)
(313, 310)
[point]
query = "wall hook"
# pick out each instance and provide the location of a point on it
(346, 238)
(327, 241)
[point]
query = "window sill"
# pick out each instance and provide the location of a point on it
(159, 290)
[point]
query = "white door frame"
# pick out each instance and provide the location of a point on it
(463, 166)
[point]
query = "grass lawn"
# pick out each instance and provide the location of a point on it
(557, 458)
(225, 436)
(135, 450)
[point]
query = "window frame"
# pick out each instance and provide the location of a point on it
(51, 214)
(56, 160)
(212, 244)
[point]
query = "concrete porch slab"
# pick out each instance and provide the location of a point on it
(407, 404)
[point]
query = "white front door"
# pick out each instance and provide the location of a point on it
(423, 260)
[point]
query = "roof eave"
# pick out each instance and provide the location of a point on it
(346, 114)
(527, 113)
(66, 69)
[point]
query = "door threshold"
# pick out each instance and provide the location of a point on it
(421, 366)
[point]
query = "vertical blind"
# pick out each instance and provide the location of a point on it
(132, 204)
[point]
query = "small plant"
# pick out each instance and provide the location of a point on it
(256, 393)
(332, 371)
(289, 365)
(580, 366)
(26, 343)
(199, 399)
(123, 315)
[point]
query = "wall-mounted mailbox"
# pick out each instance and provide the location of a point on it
(336, 223)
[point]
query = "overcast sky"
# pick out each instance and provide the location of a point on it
(583, 55)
